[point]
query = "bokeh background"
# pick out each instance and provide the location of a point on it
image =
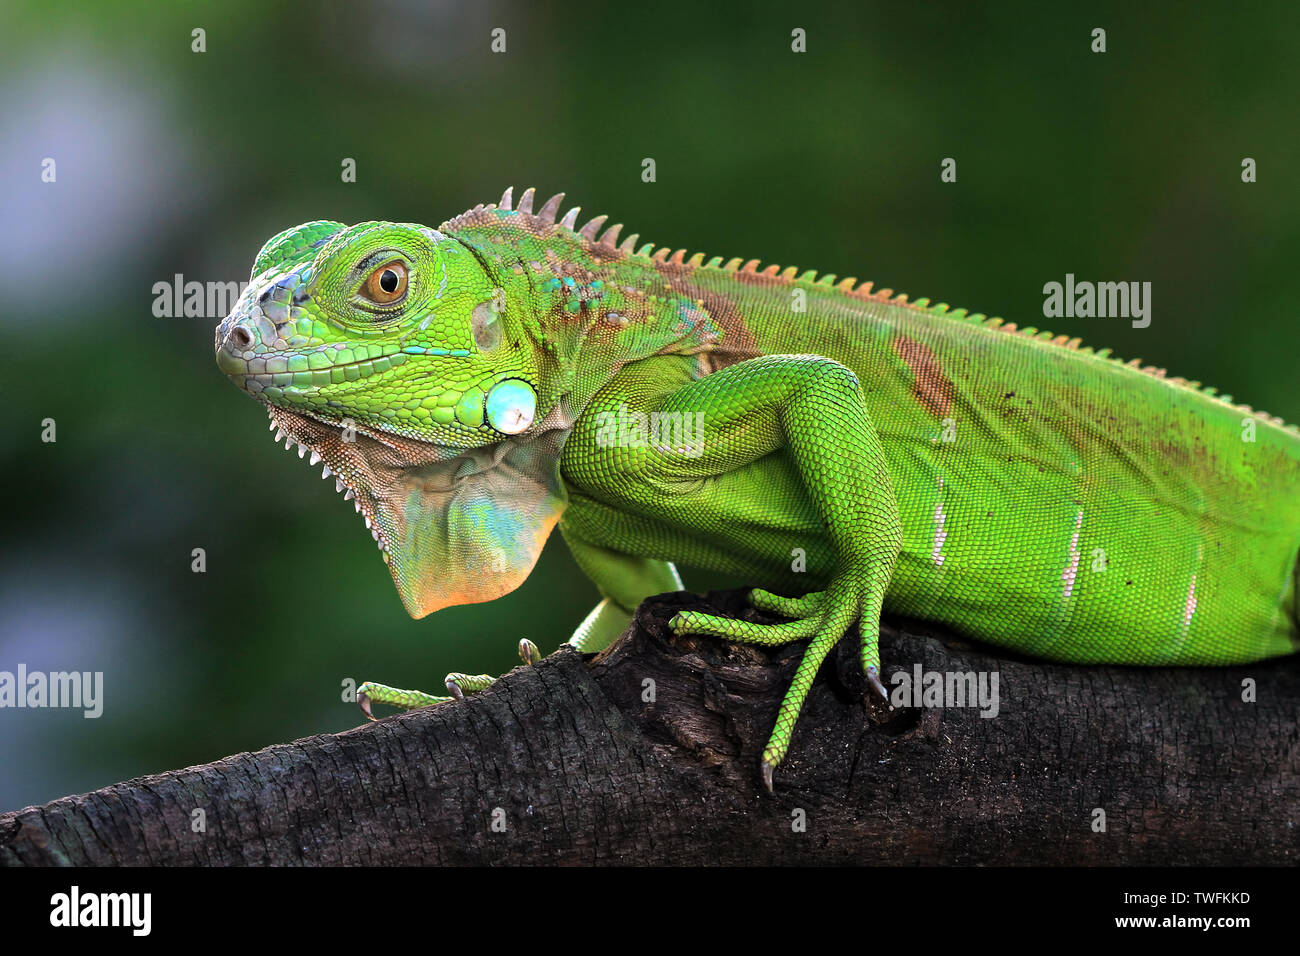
(1123, 165)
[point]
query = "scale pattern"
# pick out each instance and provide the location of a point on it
(845, 450)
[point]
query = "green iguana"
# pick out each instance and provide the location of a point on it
(472, 386)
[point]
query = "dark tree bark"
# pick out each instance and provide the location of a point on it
(579, 765)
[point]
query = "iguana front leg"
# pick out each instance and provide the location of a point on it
(809, 408)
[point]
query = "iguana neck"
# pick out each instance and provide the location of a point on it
(586, 315)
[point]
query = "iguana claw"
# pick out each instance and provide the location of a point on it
(873, 678)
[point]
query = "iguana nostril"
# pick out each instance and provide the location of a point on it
(239, 338)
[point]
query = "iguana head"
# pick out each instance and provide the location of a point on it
(394, 356)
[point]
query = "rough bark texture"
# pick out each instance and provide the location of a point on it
(581, 767)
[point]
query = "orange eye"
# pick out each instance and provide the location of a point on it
(386, 284)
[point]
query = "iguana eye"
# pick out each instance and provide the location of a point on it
(386, 284)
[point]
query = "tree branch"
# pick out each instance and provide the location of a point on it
(577, 761)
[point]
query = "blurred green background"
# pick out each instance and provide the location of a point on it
(1123, 165)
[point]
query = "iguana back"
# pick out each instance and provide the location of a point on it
(1052, 498)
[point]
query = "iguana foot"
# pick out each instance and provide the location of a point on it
(803, 607)
(458, 685)
(821, 617)
(372, 693)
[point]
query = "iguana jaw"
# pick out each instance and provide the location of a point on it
(454, 525)
(326, 445)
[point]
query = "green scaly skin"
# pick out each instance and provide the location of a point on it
(867, 452)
